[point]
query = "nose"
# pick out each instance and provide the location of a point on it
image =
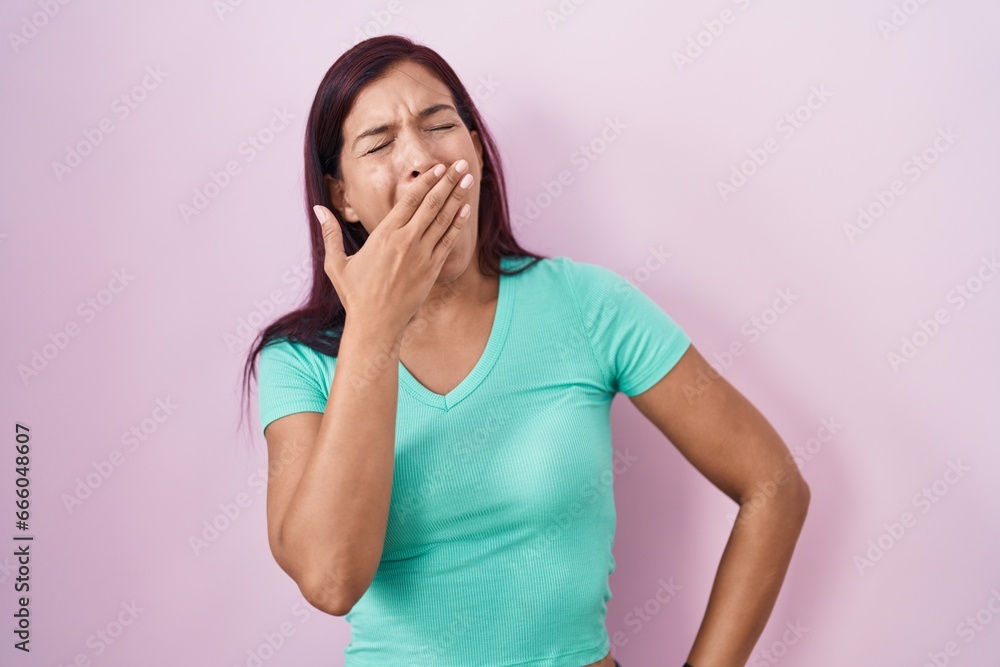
(416, 154)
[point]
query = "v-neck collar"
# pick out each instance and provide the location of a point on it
(498, 334)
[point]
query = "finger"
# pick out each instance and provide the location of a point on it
(438, 198)
(412, 198)
(333, 242)
(450, 237)
(456, 199)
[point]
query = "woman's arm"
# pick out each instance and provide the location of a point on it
(330, 475)
(731, 443)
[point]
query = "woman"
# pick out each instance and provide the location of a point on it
(437, 413)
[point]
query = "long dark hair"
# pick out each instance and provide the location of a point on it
(319, 321)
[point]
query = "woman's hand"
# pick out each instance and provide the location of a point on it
(389, 278)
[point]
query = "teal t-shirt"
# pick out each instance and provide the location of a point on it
(502, 517)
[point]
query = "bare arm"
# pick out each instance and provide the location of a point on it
(330, 476)
(731, 443)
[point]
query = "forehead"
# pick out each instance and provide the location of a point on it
(405, 84)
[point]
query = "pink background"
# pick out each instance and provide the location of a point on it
(171, 334)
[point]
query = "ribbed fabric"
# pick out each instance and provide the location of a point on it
(502, 519)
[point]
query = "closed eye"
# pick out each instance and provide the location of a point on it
(439, 127)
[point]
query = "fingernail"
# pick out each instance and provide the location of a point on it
(320, 214)
(438, 170)
(461, 166)
(467, 181)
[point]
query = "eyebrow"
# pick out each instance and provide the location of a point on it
(429, 111)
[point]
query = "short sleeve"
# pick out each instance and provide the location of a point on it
(635, 342)
(288, 381)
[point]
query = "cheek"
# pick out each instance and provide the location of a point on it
(382, 186)
(375, 195)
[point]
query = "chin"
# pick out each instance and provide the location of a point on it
(456, 264)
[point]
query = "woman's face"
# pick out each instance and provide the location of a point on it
(377, 168)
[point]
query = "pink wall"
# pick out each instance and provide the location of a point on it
(885, 106)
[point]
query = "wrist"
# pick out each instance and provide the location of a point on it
(372, 332)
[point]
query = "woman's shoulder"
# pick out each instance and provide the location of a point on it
(558, 264)
(578, 274)
(285, 351)
(564, 279)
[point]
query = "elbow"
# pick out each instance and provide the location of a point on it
(322, 589)
(324, 594)
(806, 494)
(793, 489)
(785, 495)
(799, 497)
(803, 493)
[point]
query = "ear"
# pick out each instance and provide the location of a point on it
(478, 143)
(339, 198)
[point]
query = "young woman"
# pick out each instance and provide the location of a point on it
(437, 413)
